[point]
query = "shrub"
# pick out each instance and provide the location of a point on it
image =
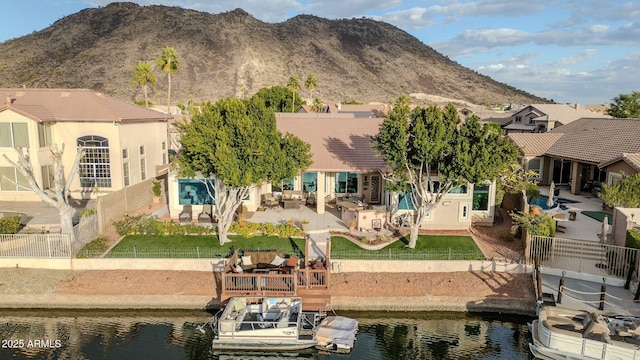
(633, 239)
(147, 225)
(538, 224)
(97, 246)
(10, 225)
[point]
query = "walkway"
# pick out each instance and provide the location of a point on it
(584, 292)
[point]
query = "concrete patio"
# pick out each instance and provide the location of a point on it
(328, 221)
(583, 227)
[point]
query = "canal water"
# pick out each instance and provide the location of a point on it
(176, 335)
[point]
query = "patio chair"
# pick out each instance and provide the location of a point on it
(269, 201)
(206, 216)
(186, 214)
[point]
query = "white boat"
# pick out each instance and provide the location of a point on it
(268, 324)
(570, 333)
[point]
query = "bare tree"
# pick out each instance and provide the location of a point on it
(60, 197)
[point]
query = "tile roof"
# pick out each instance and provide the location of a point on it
(535, 144)
(632, 159)
(339, 142)
(76, 105)
(596, 140)
(564, 113)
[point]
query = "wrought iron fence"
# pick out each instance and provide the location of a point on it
(403, 254)
(158, 253)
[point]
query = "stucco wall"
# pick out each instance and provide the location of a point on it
(338, 265)
(113, 206)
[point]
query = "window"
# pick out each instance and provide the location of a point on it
(164, 152)
(143, 169)
(462, 189)
(125, 174)
(287, 184)
(464, 211)
(310, 181)
(534, 165)
(14, 134)
(194, 192)
(95, 168)
(346, 183)
(125, 154)
(44, 134)
(480, 197)
(518, 119)
(48, 179)
(141, 149)
(9, 176)
(404, 202)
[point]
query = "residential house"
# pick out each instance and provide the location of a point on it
(372, 110)
(344, 164)
(123, 142)
(583, 154)
(539, 118)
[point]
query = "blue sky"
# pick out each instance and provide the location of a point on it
(585, 51)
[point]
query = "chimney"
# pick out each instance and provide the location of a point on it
(577, 106)
(9, 100)
(339, 106)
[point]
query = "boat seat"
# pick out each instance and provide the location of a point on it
(283, 321)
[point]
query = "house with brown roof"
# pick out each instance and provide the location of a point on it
(345, 165)
(539, 118)
(584, 153)
(123, 142)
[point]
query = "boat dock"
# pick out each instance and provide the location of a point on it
(586, 291)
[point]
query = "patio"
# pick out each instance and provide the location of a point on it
(583, 227)
(330, 220)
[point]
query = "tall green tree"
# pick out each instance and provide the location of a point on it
(277, 98)
(317, 105)
(625, 193)
(625, 106)
(311, 84)
(236, 143)
(293, 85)
(168, 63)
(428, 151)
(143, 76)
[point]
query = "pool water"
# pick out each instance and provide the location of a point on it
(542, 202)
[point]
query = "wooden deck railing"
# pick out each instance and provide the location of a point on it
(258, 284)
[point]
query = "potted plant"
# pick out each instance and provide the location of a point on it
(304, 224)
(352, 224)
(157, 191)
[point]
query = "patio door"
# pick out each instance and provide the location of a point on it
(561, 171)
(371, 188)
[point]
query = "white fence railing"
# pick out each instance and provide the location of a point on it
(49, 245)
(52, 246)
(582, 256)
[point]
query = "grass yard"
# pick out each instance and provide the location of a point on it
(205, 246)
(428, 247)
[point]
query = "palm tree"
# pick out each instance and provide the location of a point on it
(317, 105)
(311, 84)
(143, 76)
(168, 63)
(294, 86)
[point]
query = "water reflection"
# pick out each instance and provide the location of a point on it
(175, 335)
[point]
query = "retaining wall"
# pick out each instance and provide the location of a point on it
(337, 266)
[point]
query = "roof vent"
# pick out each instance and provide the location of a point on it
(9, 100)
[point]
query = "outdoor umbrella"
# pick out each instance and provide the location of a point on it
(605, 229)
(552, 189)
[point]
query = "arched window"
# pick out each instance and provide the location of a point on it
(95, 167)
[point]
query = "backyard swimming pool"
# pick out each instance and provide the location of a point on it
(542, 202)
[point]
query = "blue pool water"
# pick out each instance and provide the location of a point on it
(542, 202)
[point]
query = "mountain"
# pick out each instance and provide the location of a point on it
(234, 54)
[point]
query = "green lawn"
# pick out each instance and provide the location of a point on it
(189, 246)
(428, 247)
